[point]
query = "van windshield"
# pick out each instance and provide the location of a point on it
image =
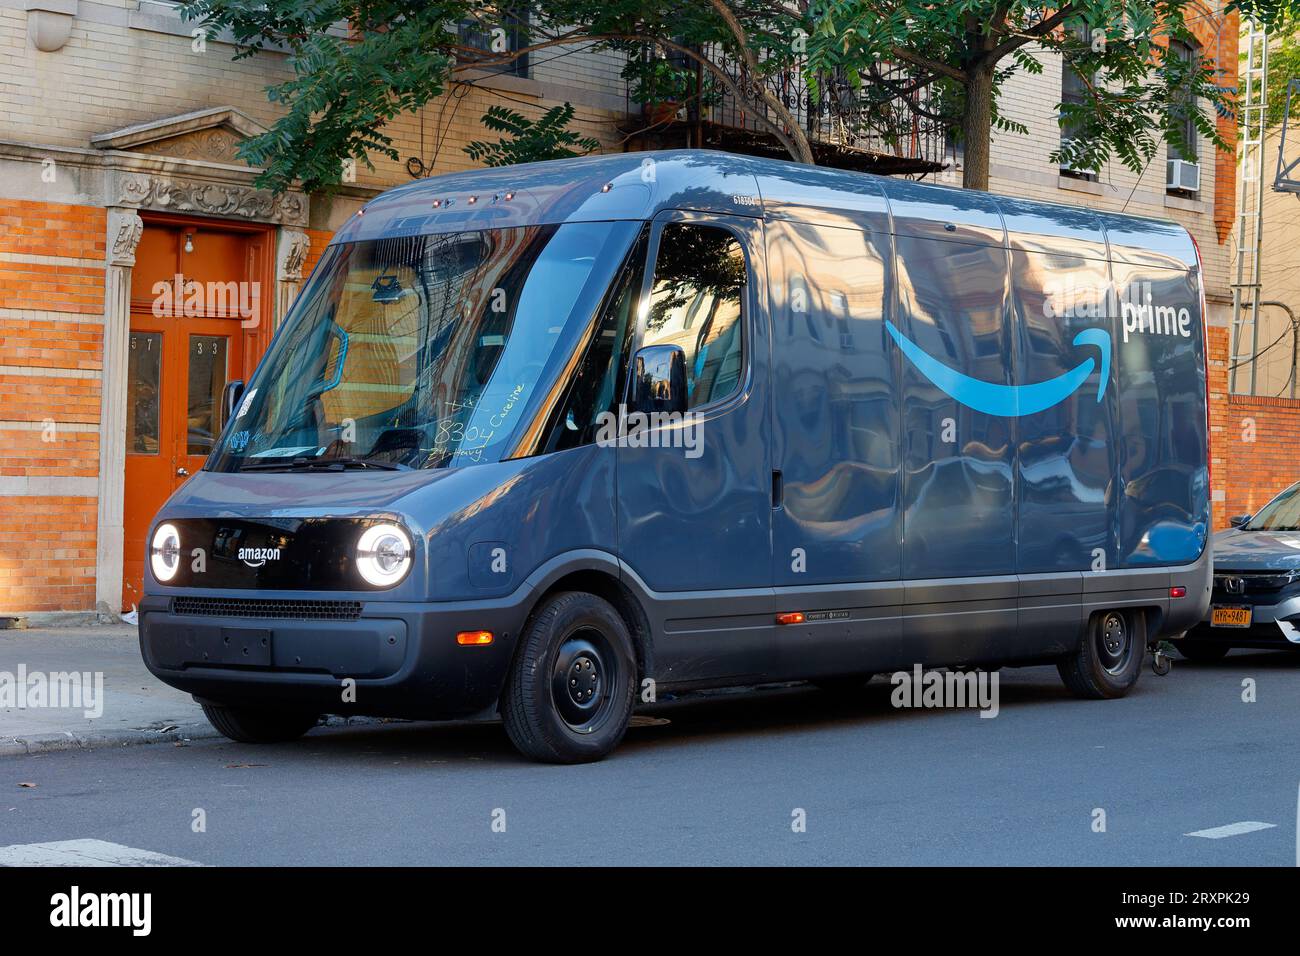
(422, 351)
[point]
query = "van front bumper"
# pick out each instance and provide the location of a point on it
(319, 652)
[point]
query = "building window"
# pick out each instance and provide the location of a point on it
(1074, 92)
(479, 34)
(1183, 169)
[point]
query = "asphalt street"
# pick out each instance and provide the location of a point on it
(721, 780)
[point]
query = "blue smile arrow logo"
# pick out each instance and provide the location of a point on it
(1010, 400)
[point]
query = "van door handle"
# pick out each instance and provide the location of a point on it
(778, 490)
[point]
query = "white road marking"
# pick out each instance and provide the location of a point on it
(1231, 829)
(85, 853)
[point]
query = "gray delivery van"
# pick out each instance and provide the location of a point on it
(549, 440)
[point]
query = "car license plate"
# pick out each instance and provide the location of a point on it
(1230, 617)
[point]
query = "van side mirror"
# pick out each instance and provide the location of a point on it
(230, 397)
(1237, 521)
(659, 379)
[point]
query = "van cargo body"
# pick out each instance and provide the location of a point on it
(860, 424)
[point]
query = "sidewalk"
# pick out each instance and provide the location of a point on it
(136, 707)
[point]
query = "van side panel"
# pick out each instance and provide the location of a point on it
(835, 411)
(837, 535)
(1164, 514)
(1067, 457)
(958, 491)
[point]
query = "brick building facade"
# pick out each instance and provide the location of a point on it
(117, 152)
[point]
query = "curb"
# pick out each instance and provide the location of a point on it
(166, 733)
(50, 743)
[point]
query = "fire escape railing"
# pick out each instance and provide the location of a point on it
(880, 125)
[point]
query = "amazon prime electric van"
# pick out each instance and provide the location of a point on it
(551, 440)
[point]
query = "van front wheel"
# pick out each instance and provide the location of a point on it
(570, 692)
(248, 726)
(1109, 659)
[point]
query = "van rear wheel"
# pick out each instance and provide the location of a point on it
(570, 692)
(248, 726)
(1109, 659)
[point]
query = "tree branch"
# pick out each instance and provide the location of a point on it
(1037, 31)
(803, 151)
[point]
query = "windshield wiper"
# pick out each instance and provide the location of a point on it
(322, 464)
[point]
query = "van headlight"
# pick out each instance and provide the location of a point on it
(384, 554)
(165, 552)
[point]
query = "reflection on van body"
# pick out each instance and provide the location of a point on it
(928, 432)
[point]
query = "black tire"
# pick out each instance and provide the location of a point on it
(1202, 650)
(1108, 661)
(571, 689)
(248, 726)
(843, 684)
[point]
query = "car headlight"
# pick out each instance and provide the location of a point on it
(384, 554)
(165, 552)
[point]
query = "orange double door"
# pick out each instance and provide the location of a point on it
(200, 317)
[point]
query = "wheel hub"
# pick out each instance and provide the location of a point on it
(1114, 642)
(580, 678)
(584, 679)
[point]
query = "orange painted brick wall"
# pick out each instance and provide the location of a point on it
(26, 398)
(39, 285)
(50, 262)
(46, 228)
(50, 344)
(56, 451)
(1263, 450)
(1255, 441)
(52, 229)
(319, 240)
(61, 531)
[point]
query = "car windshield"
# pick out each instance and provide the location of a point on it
(1280, 514)
(422, 351)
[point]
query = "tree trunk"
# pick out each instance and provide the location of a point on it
(802, 148)
(977, 127)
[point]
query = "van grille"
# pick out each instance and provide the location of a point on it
(273, 609)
